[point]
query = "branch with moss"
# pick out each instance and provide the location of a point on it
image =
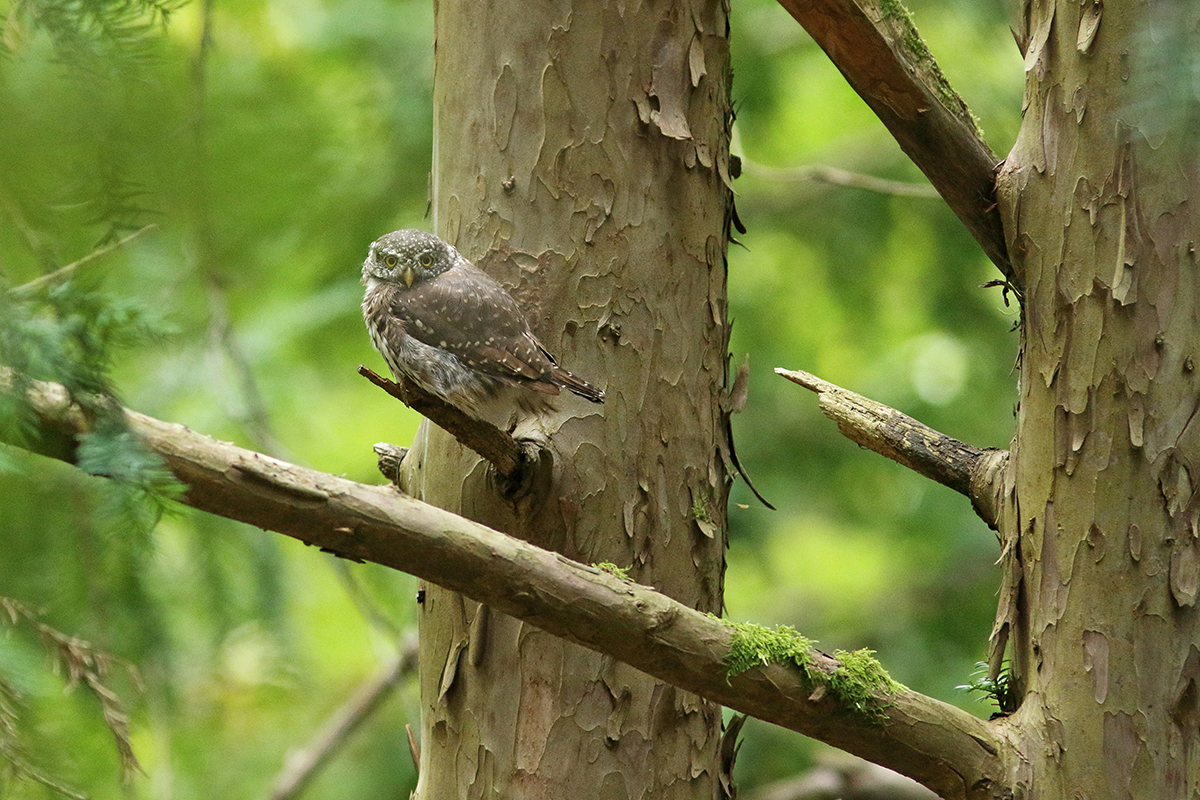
(843, 699)
(969, 470)
(882, 56)
(859, 682)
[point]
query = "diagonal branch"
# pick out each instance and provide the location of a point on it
(304, 765)
(875, 46)
(967, 469)
(494, 445)
(948, 750)
(63, 273)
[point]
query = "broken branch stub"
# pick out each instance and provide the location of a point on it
(969, 470)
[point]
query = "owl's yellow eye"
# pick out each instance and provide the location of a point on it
(390, 261)
(426, 260)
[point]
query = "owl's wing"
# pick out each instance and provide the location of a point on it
(466, 313)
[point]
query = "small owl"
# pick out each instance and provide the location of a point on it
(444, 324)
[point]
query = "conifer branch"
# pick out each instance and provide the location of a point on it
(83, 664)
(64, 272)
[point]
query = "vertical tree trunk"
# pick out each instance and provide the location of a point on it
(580, 157)
(1095, 197)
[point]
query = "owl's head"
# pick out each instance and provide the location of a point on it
(408, 257)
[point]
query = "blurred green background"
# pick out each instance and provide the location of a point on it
(268, 157)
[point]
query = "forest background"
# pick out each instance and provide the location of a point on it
(268, 142)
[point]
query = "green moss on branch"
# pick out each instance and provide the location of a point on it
(613, 569)
(859, 682)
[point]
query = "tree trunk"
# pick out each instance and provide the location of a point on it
(1106, 570)
(580, 157)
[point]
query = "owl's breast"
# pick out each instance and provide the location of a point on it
(434, 369)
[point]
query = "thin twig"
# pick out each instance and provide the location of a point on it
(840, 775)
(62, 273)
(33, 240)
(820, 173)
(23, 769)
(371, 613)
(223, 341)
(303, 765)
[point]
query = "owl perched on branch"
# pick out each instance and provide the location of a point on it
(448, 327)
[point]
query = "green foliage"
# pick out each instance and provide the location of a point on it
(1000, 690)
(267, 164)
(69, 334)
(71, 337)
(96, 36)
(268, 161)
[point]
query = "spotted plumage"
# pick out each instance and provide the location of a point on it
(450, 328)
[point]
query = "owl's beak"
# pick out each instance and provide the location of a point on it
(407, 274)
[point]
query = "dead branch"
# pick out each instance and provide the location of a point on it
(875, 46)
(833, 176)
(839, 775)
(945, 748)
(969, 470)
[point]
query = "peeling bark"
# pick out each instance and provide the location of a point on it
(1102, 568)
(581, 158)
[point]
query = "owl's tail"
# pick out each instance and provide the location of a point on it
(576, 384)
